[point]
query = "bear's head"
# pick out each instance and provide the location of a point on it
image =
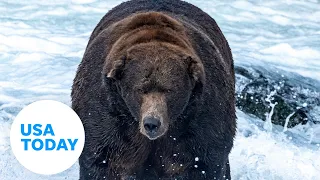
(155, 69)
(156, 81)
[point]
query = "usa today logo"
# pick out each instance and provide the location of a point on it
(47, 137)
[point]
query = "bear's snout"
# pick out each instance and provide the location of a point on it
(151, 125)
(154, 118)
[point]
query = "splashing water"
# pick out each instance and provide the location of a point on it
(268, 123)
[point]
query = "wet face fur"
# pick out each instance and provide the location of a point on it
(156, 81)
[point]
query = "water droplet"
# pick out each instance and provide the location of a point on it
(196, 166)
(196, 159)
(203, 172)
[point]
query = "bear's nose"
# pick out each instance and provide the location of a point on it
(151, 124)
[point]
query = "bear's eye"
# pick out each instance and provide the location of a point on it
(165, 90)
(142, 90)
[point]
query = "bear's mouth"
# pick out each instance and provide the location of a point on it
(153, 135)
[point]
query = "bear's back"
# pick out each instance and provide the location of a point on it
(176, 7)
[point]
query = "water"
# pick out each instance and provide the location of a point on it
(42, 42)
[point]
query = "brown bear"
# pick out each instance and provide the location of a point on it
(155, 93)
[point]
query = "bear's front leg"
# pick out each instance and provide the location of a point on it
(93, 166)
(92, 171)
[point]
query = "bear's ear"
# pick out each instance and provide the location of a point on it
(196, 70)
(114, 69)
